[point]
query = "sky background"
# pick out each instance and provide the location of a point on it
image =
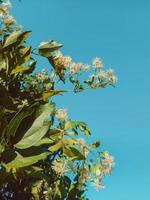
(118, 31)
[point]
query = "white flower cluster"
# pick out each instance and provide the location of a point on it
(106, 166)
(42, 76)
(61, 60)
(76, 68)
(4, 14)
(106, 76)
(66, 62)
(37, 83)
(97, 63)
(61, 114)
(107, 163)
(97, 182)
(59, 168)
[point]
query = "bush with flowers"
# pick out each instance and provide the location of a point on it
(43, 153)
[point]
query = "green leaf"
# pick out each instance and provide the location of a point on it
(83, 127)
(32, 169)
(46, 47)
(73, 153)
(5, 99)
(19, 69)
(39, 127)
(35, 192)
(2, 111)
(25, 54)
(56, 134)
(21, 161)
(74, 125)
(96, 144)
(2, 148)
(17, 37)
(95, 167)
(71, 141)
(36, 134)
(15, 123)
(56, 146)
(51, 93)
(69, 124)
(44, 141)
(3, 63)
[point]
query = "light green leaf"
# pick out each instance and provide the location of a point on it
(17, 37)
(95, 167)
(36, 135)
(75, 124)
(21, 161)
(83, 127)
(3, 63)
(73, 153)
(69, 124)
(25, 54)
(51, 93)
(50, 46)
(39, 127)
(56, 134)
(56, 146)
(44, 141)
(19, 69)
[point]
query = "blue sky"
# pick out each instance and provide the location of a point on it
(119, 32)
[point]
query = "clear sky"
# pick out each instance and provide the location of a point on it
(118, 31)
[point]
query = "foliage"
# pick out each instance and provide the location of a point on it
(43, 153)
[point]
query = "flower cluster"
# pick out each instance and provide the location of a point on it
(61, 114)
(103, 168)
(61, 60)
(37, 83)
(8, 22)
(107, 163)
(98, 78)
(59, 167)
(68, 64)
(97, 183)
(97, 63)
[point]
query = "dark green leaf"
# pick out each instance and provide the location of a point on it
(96, 144)
(15, 123)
